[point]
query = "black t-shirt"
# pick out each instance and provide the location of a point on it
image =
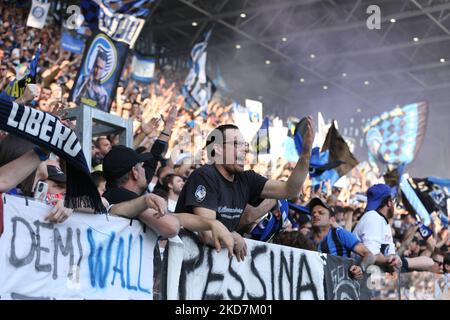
(118, 195)
(207, 188)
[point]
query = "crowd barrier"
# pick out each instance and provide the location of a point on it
(105, 257)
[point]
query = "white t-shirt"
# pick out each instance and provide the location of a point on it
(171, 205)
(374, 231)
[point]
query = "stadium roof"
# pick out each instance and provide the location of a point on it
(304, 56)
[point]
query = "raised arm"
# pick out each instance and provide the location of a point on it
(14, 172)
(292, 188)
(251, 214)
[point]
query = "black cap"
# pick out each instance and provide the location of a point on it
(56, 174)
(120, 160)
(303, 219)
(316, 201)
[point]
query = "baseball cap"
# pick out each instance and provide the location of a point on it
(316, 201)
(376, 194)
(56, 174)
(120, 160)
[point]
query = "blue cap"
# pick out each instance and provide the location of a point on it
(376, 194)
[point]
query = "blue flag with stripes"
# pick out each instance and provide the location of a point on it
(136, 8)
(268, 227)
(198, 89)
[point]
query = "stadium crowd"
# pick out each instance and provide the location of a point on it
(169, 142)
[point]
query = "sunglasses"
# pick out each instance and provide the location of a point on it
(440, 263)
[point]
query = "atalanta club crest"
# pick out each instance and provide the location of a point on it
(38, 12)
(200, 193)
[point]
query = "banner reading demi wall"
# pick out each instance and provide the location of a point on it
(87, 257)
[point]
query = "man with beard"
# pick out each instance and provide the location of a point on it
(222, 189)
(173, 184)
(374, 230)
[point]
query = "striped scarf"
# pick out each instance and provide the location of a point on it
(47, 131)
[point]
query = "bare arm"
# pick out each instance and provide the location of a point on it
(407, 239)
(14, 172)
(166, 226)
(367, 257)
(207, 238)
(391, 262)
(131, 209)
(431, 245)
(421, 263)
(219, 232)
(291, 188)
(349, 221)
(251, 214)
(169, 124)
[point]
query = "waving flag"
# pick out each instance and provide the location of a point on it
(261, 141)
(135, 8)
(333, 161)
(270, 225)
(425, 196)
(198, 88)
(396, 137)
(16, 88)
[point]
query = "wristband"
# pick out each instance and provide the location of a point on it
(165, 134)
(41, 154)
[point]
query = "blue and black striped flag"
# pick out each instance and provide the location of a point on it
(136, 8)
(198, 89)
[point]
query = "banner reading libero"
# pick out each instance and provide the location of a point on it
(88, 256)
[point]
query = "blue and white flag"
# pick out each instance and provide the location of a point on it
(198, 89)
(72, 41)
(395, 137)
(136, 8)
(272, 223)
(38, 14)
(119, 27)
(142, 68)
(120, 20)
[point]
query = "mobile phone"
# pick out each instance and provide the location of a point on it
(40, 192)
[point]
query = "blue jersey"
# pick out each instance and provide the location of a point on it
(338, 242)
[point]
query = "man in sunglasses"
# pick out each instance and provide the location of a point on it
(222, 189)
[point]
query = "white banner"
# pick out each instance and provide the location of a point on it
(248, 118)
(118, 26)
(269, 272)
(38, 14)
(87, 257)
